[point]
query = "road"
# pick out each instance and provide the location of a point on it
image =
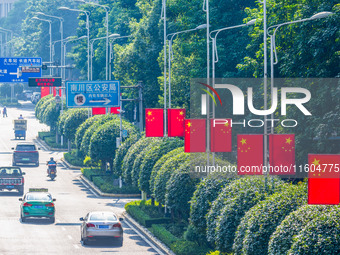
(74, 200)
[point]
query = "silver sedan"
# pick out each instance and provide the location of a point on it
(101, 225)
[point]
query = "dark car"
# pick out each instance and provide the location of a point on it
(12, 178)
(25, 153)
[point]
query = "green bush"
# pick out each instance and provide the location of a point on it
(137, 213)
(159, 164)
(139, 159)
(163, 234)
(82, 129)
(51, 114)
(121, 152)
(260, 222)
(131, 155)
(164, 174)
(320, 236)
(73, 159)
(41, 109)
(38, 107)
(103, 141)
(179, 190)
(282, 239)
(86, 140)
(188, 248)
(74, 119)
(245, 193)
(151, 157)
(206, 192)
(192, 234)
(61, 121)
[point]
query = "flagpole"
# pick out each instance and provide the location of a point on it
(206, 9)
(164, 18)
(265, 147)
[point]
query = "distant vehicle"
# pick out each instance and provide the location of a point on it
(12, 178)
(97, 225)
(25, 95)
(37, 203)
(20, 127)
(35, 97)
(25, 153)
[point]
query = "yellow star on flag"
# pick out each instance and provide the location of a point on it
(244, 141)
(288, 140)
(226, 124)
(181, 113)
(149, 113)
(316, 162)
(189, 124)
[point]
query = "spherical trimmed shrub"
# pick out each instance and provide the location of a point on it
(75, 118)
(246, 191)
(151, 157)
(139, 160)
(39, 106)
(282, 239)
(164, 174)
(159, 165)
(131, 155)
(82, 129)
(179, 190)
(61, 122)
(206, 192)
(260, 222)
(121, 152)
(320, 236)
(50, 115)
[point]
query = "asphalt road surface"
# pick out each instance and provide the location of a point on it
(74, 200)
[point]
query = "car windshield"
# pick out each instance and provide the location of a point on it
(10, 171)
(38, 197)
(25, 147)
(102, 217)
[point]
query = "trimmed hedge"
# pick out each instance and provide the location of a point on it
(38, 107)
(163, 234)
(152, 156)
(159, 164)
(164, 174)
(205, 193)
(82, 129)
(75, 117)
(188, 248)
(282, 239)
(260, 222)
(247, 194)
(320, 236)
(131, 155)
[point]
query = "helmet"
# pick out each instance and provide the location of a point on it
(51, 159)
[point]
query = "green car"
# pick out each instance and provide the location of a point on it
(37, 203)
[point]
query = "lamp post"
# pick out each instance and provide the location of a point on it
(11, 33)
(91, 53)
(50, 32)
(163, 16)
(111, 51)
(273, 51)
(170, 51)
(107, 9)
(61, 36)
(88, 34)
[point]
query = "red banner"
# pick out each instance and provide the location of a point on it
(45, 91)
(282, 154)
(98, 111)
(114, 110)
(195, 133)
(176, 122)
(249, 154)
(154, 122)
(324, 179)
(220, 135)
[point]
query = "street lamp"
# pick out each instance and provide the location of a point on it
(61, 36)
(50, 32)
(273, 51)
(91, 54)
(107, 9)
(88, 34)
(11, 32)
(111, 51)
(215, 55)
(171, 36)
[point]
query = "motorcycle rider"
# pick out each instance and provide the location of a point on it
(51, 162)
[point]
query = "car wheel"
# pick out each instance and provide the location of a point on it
(52, 219)
(36, 164)
(14, 164)
(23, 219)
(120, 241)
(21, 191)
(85, 241)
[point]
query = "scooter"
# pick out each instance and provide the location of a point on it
(52, 171)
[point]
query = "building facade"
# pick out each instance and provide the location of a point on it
(5, 7)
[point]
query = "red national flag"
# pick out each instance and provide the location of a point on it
(98, 111)
(220, 135)
(249, 154)
(114, 110)
(176, 122)
(55, 92)
(45, 91)
(324, 179)
(282, 154)
(194, 138)
(154, 122)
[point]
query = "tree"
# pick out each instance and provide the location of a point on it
(81, 131)
(75, 118)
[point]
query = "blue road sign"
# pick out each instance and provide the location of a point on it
(124, 133)
(19, 69)
(92, 94)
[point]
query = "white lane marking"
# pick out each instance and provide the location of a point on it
(89, 188)
(76, 246)
(69, 237)
(64, 229)
(144, 238)
(64, 165)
